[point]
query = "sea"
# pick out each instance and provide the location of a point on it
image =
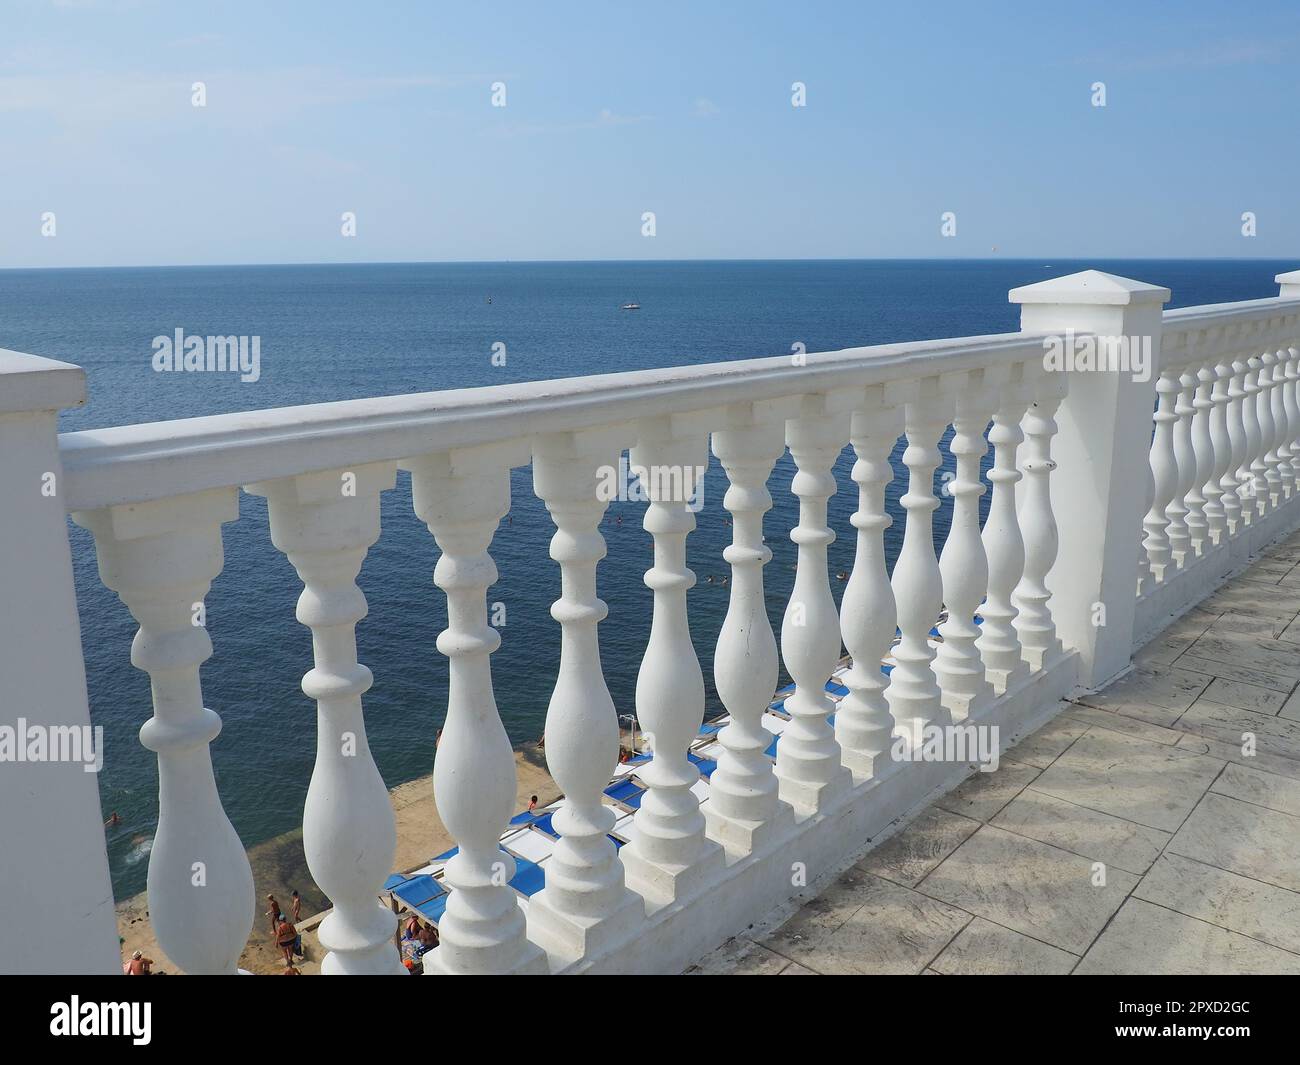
(333, 332)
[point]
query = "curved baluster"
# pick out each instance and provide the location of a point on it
(1278, 399)
(1034, 624)
(1253, 468)
(808, 761)
(1293, 398)
(669, 857)
(1198, 519)
(999, 643)
(1164, 469)
(743, 808)
(1289, 452)
(462, 496)
(585, 902)
(963, 563)
(914, 695)
(1228, 451)
(1217, 504)
(325, 523)
(1238, 473)
(864, 726)
(1268, 430)
(1179, 511)
(160, 558)
(1146, 575)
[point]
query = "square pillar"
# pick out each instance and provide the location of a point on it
(55, 892)
(1098, 489)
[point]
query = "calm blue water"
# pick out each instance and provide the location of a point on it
(343, 332)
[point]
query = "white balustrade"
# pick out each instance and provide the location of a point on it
(1268, 430)
(963, 562)
(585, 903)
(864, 726)
(669, 857)
(1279, 456)
(1181, 516)
(462, 496)
(1232, 440)
(913, 694)
(1034, 624)
(1288, 451)
(744, 810)
(1219, 446)
(1292, 407)
(1198, 521)
(1253, 468)
(161, 557)
(808, 762)
(1239, 473)
(325, 523)
(999, 641)
(1164, 468)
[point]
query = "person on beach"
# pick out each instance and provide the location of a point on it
(532, 804)
(295, 907)
(285, 938)
(413, 927)
(139, 965)
(274, 911)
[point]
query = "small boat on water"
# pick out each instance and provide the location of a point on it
(630, 307)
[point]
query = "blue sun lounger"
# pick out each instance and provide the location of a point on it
(529, 878)
(545, 824)
(626, 791)
(706, 766)
(418, 891)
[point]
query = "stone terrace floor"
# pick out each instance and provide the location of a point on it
(1200, 842)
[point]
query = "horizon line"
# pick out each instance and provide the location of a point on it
(622, 262)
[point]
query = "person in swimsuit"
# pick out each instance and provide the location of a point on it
(139, 965)
(285, 937)
(273, 912)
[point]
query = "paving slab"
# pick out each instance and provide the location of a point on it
(922, 845)
(1260, 788)
(1262, 911)
(1149, 940)
(984, 794)
(1276, 735)
(1081, 831)
(1243, 696)
(890, 930)
(1042, 748)
(1150, 783)
(983, 948)
(1242, 838)
(1041, 891)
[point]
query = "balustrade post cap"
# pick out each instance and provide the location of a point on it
(32, 383)
(1290, 282)
(1090, 287)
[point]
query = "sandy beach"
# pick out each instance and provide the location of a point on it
(279, 866)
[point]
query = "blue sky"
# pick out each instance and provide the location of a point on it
(612, 110)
